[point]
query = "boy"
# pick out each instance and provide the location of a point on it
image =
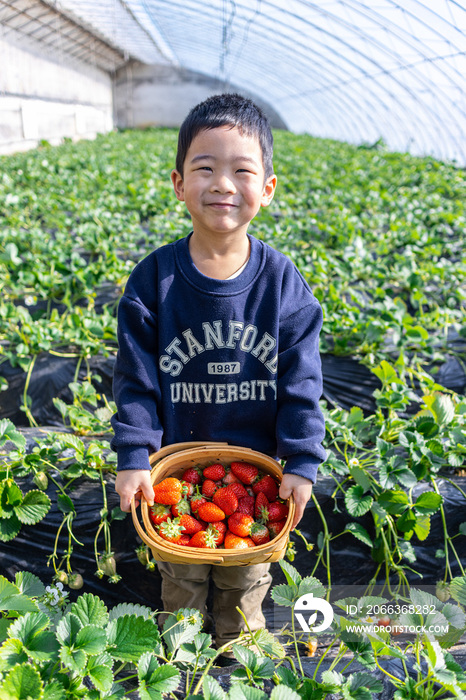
(218, 341)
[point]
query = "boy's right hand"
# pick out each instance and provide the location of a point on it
(131, 483)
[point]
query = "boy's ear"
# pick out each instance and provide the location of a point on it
(178, 185)
(269, 190)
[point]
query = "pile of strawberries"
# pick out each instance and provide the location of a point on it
(236, 506)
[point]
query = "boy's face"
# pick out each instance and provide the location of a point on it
(223, 184)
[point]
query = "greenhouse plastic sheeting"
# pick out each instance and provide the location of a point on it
(348, 69)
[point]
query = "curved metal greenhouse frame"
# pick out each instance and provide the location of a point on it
(346, 69)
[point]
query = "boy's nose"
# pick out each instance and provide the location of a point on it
(223, 183)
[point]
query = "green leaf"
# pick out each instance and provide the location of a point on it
(10, 496)
(291, 574)
(99, 670)
(90, 610)
(155, 680)
(12, 653)
(22, 683)
(8, 432)
(454, 615)
(361, 477)
(181, 627)
(360, 533)
(29, 584)
(212, 689)
(283, 692)
(244, 656)
(12, 599)
(284, 595)
(356, 503)
(35, 506)
(74, 659)
(30, 629)
(458, 589)
(394, 502)
(442, 408)
(428, 502)
(309, 584)
(333, 678)
(363, 681)
(131, 636)
(406, 521)
(240, 691)
(287, 677)
(422, 527)
(130, 609)
(385, 372)
(91, 639)
(67, 629)
(9, 528)
(268, 643)
(65, 504)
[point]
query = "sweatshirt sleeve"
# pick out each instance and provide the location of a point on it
(137, 427)
(300, 422)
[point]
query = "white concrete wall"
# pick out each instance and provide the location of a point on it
(49, 96)
(162, 96)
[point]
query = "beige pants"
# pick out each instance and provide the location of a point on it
(187, 586)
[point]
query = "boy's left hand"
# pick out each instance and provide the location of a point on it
(301, 489)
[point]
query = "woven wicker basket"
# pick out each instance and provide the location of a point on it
(172, 461)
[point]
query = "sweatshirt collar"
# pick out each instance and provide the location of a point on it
(209, 285)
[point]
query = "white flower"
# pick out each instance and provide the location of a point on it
(354, 462)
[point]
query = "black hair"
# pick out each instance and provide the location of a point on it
(229, 109)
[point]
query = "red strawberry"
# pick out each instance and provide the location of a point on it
(225, 499)
(246, 505)
(238, 489)
(266, 485)
(259, 533)
(168, 491)
(184, 540)
(203, 539)
(234, 542)
(230, 478)
(214, 472)
(219, 529)
(245, 472)
(276, 511)
(276, 527)
(187, 489)
(210, 512)
(170, 530)
(158, 513)
(192, 475)
(240, 524)
(197, 500)
(261, 502)
(189, 525)
(209, 487)
(180, 508)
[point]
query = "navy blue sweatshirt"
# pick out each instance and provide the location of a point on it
(232, 360)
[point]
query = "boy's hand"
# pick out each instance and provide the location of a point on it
(131, 483)
(301, 489)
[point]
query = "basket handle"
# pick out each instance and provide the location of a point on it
(179, 447)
